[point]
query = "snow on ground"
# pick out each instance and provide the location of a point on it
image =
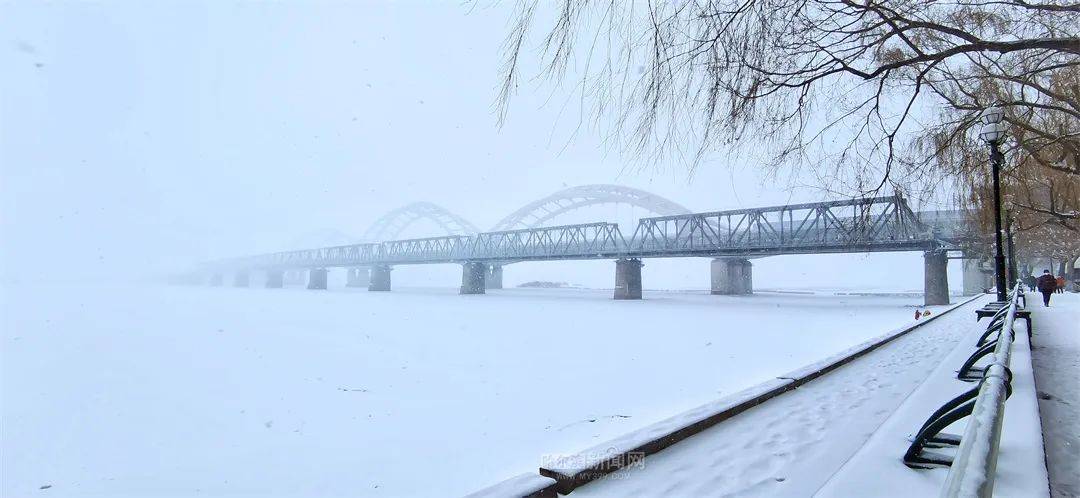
(1056, 358)
(174, 391)
(790, 445)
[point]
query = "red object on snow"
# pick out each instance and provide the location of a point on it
(917, 314)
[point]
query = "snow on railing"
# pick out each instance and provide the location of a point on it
(972, 471)
(973, 466)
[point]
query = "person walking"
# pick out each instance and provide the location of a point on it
(1047, 284)
(1061, 284)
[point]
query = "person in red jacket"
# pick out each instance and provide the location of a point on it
(1047, 284)
(1061, 284)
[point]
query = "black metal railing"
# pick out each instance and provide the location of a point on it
(973, 465)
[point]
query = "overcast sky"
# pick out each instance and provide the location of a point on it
(138, 138)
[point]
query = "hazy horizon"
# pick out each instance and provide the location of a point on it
(137, 140)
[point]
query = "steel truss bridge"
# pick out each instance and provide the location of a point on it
(859, 225)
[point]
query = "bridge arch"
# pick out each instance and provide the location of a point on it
(538, 212)
(391, 224)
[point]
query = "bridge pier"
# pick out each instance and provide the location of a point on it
(493, 280)
(357, 277)
(216, 279)
(380, 278)
(628, 278)
(975, 280)
(294, 277)
(275, 279)
(732, 276)
(317, 278)
(935, 278)
(241, 279)
(472, 277)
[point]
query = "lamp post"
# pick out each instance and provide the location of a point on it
(993, 133)
(1011, 251)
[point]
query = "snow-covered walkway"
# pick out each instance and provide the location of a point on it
(792, 444)
(1021, 467)
(1056, 358)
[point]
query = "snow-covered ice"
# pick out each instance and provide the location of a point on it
(174, 391)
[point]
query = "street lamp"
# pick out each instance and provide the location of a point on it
(1010, 249)
(993, 133)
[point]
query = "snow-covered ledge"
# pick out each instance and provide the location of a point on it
(527, 485)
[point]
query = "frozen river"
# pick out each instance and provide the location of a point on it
(175, 391)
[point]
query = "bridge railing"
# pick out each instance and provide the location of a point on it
(974, 464)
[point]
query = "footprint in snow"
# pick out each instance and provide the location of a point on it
(593, 420)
